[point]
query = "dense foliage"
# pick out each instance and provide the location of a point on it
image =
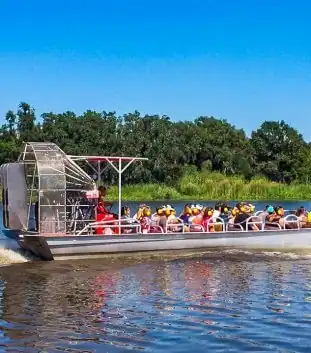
(275, 151)
(214, 186)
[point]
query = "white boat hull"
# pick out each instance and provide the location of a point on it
(52, 248)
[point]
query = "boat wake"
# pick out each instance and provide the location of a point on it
(11, 253)
(216, 255)
(239, 254)
(8, 256)
(289, 255)
(286, 255)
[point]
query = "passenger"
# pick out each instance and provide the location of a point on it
(302, 215)
(167, 211)
(217, 210)
(145, 219)
(207, 220)
(233, 214)
(170, 213)
(243, 216)
(277, 217)
(197, 218)
(162, 220)
(251, 208)
(158, 220)
(139, 211)
(194, 213)
(221, 213)
(125, 212)
(186, 214)
(264, 214)
(225, 212)
(225, 208)
(251, 211)
(280, 211)
(127, 220)
(158, 213)
(248, 208)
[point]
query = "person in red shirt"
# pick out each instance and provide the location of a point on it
(102, 214)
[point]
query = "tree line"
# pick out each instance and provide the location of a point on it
(275, 150)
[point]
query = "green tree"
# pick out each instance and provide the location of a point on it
(275, 150)
(278, 150)
(27, 130)
(304, 170)
(219, 142)
(11, 123)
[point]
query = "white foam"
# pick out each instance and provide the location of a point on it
(11, 253)
(8, 256)
(288, 255)
(272, 254)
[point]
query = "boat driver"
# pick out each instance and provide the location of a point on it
(105, 204)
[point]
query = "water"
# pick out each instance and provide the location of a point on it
(219, 301)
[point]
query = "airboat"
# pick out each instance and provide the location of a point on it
(49, 202)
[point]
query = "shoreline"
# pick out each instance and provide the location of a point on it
(186, 199)
(213, 186)
(131, 195)
(193, 199)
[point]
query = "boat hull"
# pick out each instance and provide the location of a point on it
(10, 240)
(11, 233)
(53, 248)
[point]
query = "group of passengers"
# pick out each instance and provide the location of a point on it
(196, 218)
(199, 218)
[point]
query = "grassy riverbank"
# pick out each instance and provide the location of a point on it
(214, 186)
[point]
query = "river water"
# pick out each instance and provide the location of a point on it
(220, 301)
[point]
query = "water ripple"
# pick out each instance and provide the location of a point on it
(231, 304)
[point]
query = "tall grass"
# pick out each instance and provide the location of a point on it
(214, 186)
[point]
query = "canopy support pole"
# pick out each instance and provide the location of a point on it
(120, 171)
(119, 190)
(98, 173)
(110, 160)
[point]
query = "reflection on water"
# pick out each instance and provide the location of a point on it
(221, 303)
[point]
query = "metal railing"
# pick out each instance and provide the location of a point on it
(129, 224)
(292, 219)
(133, 226)
(175, 227)
(216, 222)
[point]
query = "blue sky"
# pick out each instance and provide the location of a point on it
(243, 60)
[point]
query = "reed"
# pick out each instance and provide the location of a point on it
(214, 186)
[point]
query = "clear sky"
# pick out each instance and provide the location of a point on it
(243, 60)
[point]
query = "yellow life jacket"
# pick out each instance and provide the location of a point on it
(309, 217)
